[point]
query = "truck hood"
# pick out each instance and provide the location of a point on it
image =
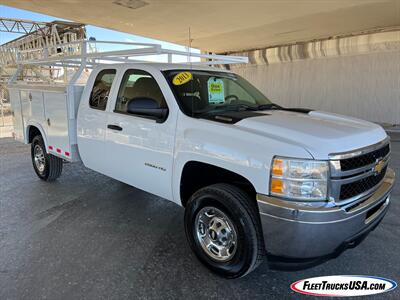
(319, 133)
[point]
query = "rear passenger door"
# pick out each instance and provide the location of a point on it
(92, 119)
(139, 149)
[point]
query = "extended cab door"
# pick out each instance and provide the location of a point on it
(92, 118)
(139, 149)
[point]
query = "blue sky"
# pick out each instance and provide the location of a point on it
(92, 31)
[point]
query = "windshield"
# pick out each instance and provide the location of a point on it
(204, 92)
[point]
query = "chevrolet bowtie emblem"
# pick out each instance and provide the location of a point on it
(379, 166)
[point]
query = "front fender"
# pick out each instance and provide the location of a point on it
(254, 171)
(227, 146)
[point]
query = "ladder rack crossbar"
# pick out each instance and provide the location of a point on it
(127, 55)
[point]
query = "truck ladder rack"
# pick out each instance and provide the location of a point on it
(50, 48)
(86, 51)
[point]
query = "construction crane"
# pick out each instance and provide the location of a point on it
(37, 36)
(21, 26)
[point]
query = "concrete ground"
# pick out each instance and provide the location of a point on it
(90, 237)
(6, 127)
(6, 131)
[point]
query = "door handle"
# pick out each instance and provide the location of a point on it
(114, 127)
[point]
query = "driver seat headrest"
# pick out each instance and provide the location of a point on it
(147, 87)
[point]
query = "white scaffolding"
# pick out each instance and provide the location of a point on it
(36, 36)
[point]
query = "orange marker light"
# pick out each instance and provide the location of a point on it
(276, 186)
(277, 167)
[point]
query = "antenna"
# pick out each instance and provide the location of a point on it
(191, 67)
(190, 48)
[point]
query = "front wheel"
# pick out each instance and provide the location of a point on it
(223, 229)
(47, 167)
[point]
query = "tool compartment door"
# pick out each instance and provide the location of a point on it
(57, 123)
(16, 114)
(32, 107)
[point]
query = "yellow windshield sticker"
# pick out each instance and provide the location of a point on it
(182, 78)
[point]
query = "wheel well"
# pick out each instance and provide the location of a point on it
(32, 132)
(196, 175)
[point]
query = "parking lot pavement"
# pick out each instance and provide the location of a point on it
(88, 236)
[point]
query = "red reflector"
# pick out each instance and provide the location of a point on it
(50, 147)
(66, 153)
(58, 150)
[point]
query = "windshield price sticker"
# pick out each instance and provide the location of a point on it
(216, 93)
(182, 78)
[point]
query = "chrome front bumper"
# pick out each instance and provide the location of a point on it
(294, 230)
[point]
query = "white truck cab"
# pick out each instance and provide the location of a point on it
(255, 178)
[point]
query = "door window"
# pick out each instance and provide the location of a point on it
(138, 84)
(101, 89)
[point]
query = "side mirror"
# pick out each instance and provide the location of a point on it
(147, 107)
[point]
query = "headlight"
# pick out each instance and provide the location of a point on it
(299, 179)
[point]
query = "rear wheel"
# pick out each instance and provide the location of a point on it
(47, 167)
(223, 229)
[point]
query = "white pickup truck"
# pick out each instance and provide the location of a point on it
(255, 178)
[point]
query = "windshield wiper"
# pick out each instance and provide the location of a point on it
(269, 106)
(237, 107)
(222, 108)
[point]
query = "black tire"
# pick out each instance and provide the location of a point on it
(243, 214)
(52, 164)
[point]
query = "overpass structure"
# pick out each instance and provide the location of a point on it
(225, 25)
(342, 56)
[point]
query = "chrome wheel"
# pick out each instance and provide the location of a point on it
(216, 234)
(39, 158)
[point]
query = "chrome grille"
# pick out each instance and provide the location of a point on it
(365, 159)
(356, 174)
(358, 187)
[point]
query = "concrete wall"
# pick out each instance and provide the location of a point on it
(364, 84)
